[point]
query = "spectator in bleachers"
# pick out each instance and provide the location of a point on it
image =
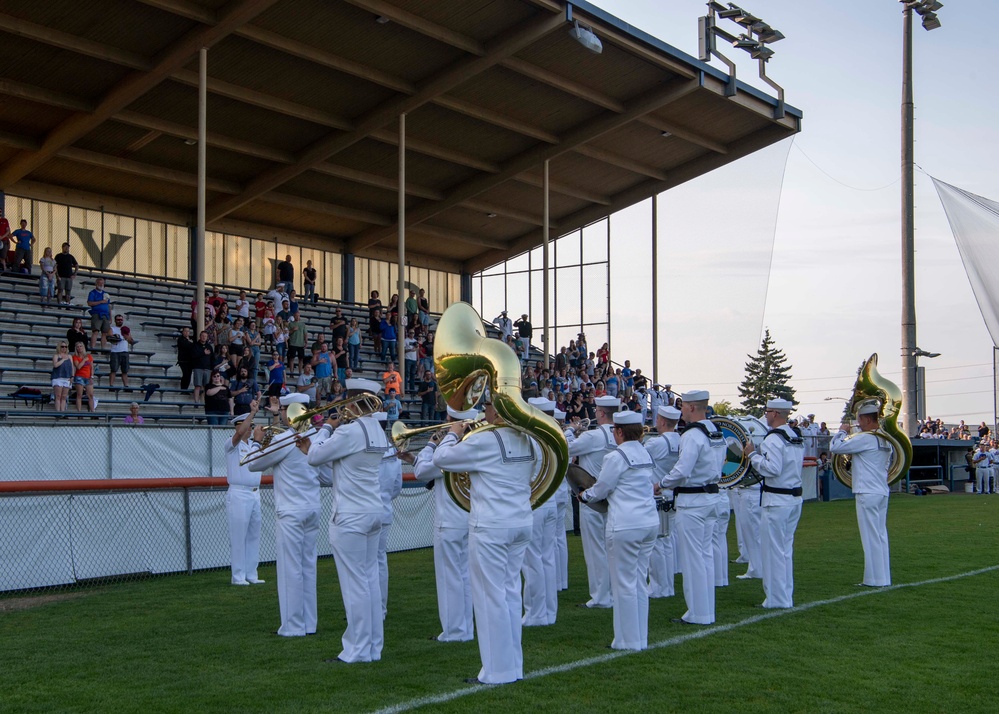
(276, 297)
(427, 392)
(337, 392)
(410, 353)
(526, 331)
(393, 310)
(296, 342)
(237, 339)
(392, 379)
(120, 337)
(47, 276)
(83, 377)
(268, 325)
(221, 363)
(244, 390)
(66, 267)
(306, 383)
(210, 325)
(388, 338)
(340, 359)
(75, 334)
(62, 375)
(259, 307)
(338, 325)
(133, 417)
(4, 240)
(242, 306)
(292, 305)
(185, 356)
(392, 408)
(322, 362)
(253, 341)
(99, 303)
(412, 309)
(216, 300)
(23, 257)
(309, 281)
(275, 378)
(354, 344)
(284, 313)
(281, 337)
(203, 358)
(218, 401)
(286, 274)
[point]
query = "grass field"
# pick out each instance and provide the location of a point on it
(196, 644)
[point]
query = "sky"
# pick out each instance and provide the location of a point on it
(804, 237)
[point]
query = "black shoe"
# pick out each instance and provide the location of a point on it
(334, 660)
(681, 621)
(433, 638)
(473, 680)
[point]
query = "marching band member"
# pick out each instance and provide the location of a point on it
(296, 504)
(540, 569)
(355, 450)
(562, 504)
(632, 525)
(694, 481)
(719, 540)
(500, 464)
(869, 470)
(591, 447)
(664, 450)
(390, 485)
(454, 589)
(779, 462)
(242, 503)
(747, 520)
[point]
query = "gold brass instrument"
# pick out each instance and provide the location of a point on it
(300, 420)
(467, 363)
(870, 385)
(402, 435)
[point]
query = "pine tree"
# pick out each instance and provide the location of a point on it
(767, 377)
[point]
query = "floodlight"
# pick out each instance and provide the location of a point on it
(585, 37)
(745, 43)
(761, 53)
(930, 21)
(766, 33)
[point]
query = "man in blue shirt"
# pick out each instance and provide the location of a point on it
(322, 363)
(391, 407)
(25, 240)
(629, 378)
(100, 313)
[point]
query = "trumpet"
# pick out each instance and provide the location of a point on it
(300, 420)
(402, 435)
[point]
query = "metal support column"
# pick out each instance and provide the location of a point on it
(655, 289)
(199, 238)
(400, 330)
(909, 396)
(545, 339)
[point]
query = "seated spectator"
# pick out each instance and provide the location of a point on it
(133, 416)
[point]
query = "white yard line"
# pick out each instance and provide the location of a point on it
(693, 634)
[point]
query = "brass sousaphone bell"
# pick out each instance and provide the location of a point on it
(467, 363)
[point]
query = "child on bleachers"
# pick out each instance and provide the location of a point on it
(268, 326)
(259, 307)
(275, 377)
(281, 337)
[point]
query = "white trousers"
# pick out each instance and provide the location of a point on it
(662, 563)
(454, 588)
(354, 537)
(495, 556)
(779, 524)
(540, 571)
(695, 537)
(297, 535)
(872, 517)
(561, 545)
(719, 544)
(751, 533)
(592, 528)
(982, 475)
(242, 509)
(383, 565)
(628, 554)
(736, 504)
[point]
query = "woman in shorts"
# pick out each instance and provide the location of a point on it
(62, 375)
(83, 377)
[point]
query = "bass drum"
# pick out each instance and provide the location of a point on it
(739, 431)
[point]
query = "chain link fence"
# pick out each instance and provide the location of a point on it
(83, 532)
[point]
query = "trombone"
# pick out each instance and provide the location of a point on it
(402, 435)
(300, 420)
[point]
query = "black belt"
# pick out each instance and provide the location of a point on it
(709, 488)
(785, 491)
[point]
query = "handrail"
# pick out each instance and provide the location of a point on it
(122, 484)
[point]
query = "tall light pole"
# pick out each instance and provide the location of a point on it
(927, 9)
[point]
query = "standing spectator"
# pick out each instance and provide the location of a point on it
(62, 375)
(275, 379)
(277, 296)
(983, 431)
(253, 341)
(259, 307)
(523, 326)
(47, 278)
(25, 243)
(375, 320)
(4, 240)
(218, 401)
(66, 268)
(322, 362)
(99, 303)
(309, 281)
(307, 382)
(281, 337)
(243, 306)
(628, 375)
(76, 334)
(412, 309)
(354, 344)
(221, 363)
(393, 309)
(340, 357)
(505, 325)
(424, 304)
(603, 355)
(244, 390)
(296, 342)
(391, 407)
(428, 396)
(216, 300)
(120, 338)
(410, 351)
(237, 340)
(223, 330)
(286, 273)
(292, 305)
(392, 379)
(185, 357)
(427, 356)
(269, 327)
(284, 312)
(133, 417)
(388, 339)
(203, 358)
(83, 377)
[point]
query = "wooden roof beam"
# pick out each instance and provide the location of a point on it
(449, 234)
(130, 88)
(681, 132)
(380, 8)
(587, 131)
(458, 73)
(621, 162)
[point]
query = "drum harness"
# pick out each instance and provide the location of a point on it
(795, 440)
(713, 436)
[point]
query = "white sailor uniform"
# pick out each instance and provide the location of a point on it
(242, 508)
(296, 505)
(390, 486)
(748, 519)
(664, 450)
(355, 451)
(779, 462)
(454, 589)
(632, 526)
(694, 481)
(500, 463)
(563, 506)
(591, 447)
(540, 569)
(869, 470)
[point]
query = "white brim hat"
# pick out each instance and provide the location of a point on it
(696, 395)
(239, 418)
(669, 413)
(608, 402)
(627, 417)
(362, 385)
(462, 416)
(294, 398)
(782, 404)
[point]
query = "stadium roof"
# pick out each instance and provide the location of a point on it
(99, 107)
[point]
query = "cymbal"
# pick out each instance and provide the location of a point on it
(579, 479)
